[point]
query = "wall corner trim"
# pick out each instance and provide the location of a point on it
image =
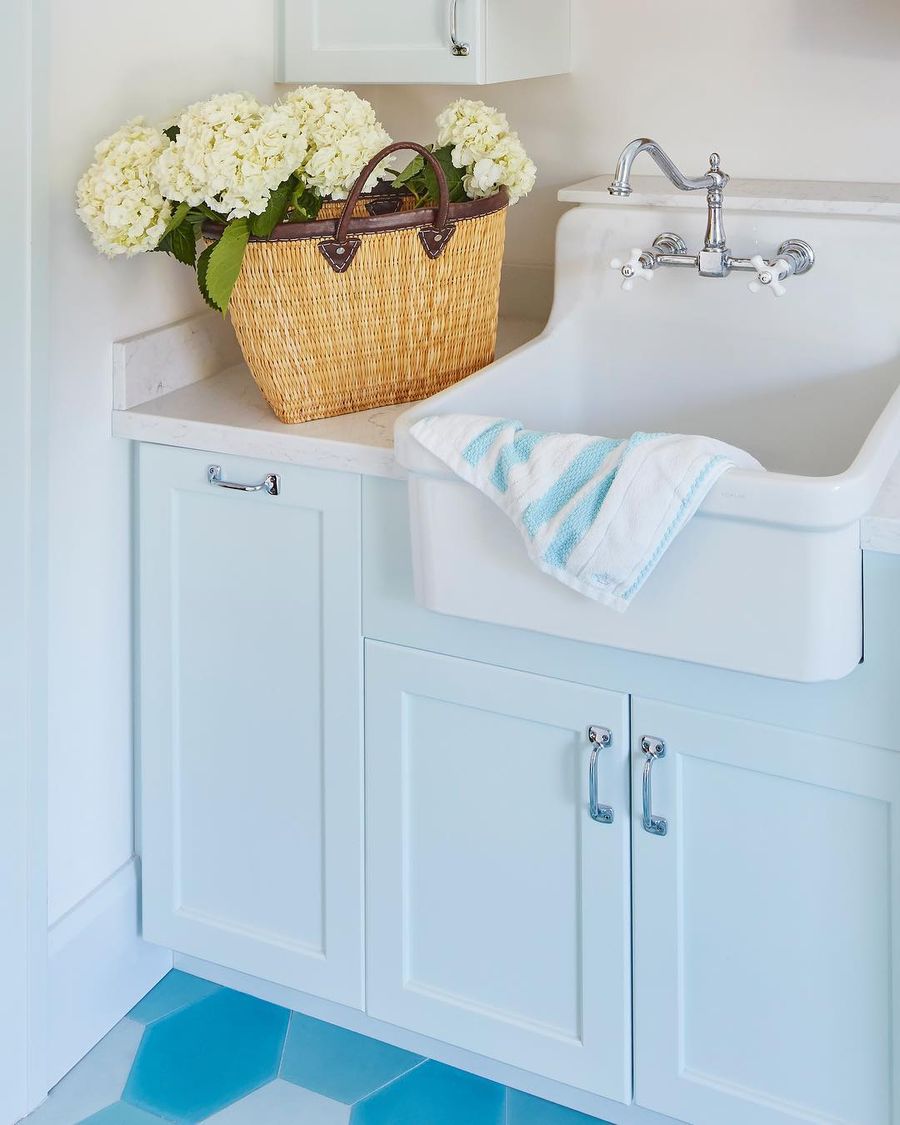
(99, 967)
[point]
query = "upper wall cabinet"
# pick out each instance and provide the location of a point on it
(437, 41)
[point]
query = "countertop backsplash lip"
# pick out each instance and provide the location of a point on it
(185, 385)
(827, 197)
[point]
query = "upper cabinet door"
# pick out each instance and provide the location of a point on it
(498, 909)
(766, 924)
(421, 41)
(250, 732)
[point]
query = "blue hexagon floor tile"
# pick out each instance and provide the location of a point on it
(340, 1064)
(96, 1081)
(122, 1114)
(283, 1103)
(523, 1109)
(206, 1056)
(192, 1051)
(434, 1094)
(176, 990)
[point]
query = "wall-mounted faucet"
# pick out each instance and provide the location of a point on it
(715, 259)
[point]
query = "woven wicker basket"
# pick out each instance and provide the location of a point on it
(386, 305)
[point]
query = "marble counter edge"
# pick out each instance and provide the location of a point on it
(238, 441)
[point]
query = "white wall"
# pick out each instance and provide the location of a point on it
(805, 89)
(110, 62)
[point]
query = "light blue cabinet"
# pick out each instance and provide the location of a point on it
(742, 967)
(498, 908)
(766, 923)
(250, 741)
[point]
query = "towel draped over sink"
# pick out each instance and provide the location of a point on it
(595, 513)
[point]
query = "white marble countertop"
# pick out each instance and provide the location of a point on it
(224, 412)
(185, 385)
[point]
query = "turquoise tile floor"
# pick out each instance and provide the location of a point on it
(193, 1051)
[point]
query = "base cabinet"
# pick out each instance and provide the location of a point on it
(699, 913)
(498, 909)
(250, 740)
(766, 924)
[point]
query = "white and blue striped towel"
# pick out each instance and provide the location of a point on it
(596, 513)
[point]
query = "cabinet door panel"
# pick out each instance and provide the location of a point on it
(250, 746)
(498, 909)
(764, 924)
(352, 41)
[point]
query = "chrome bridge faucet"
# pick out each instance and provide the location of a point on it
(715, 259)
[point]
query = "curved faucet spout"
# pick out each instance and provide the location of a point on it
(621, 185)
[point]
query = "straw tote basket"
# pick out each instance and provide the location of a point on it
(371, 308)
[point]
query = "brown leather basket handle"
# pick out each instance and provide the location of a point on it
(340, 251)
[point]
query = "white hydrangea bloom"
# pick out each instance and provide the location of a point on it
(231, 153)
(486, 147)
(507, 166)
(343, 134)
(119, 197)
(473, 129)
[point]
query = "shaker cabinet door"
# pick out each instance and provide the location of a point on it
(250, 740)
(337, 41)
(498, 908)
(450, 42)
(766, 923)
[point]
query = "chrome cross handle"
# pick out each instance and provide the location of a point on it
(631, 268)
(769, 275)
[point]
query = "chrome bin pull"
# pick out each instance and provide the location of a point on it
(271, 484)
(457, 48)
(599, 738)
(654, 749)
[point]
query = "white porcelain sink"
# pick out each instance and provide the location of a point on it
(767, 577)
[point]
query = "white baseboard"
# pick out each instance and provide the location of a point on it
(99, 967)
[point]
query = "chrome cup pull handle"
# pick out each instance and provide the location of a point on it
(599, 738)
(271, 484)
(654, 749)
(459, 49)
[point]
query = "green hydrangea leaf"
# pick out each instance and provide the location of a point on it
(184, 243)
(224, 262)
(454, 178)
(262, 225)
(177, 218)
(306, 203)
(201, 213)
(172, 132)
(202, 269)
(415, 166)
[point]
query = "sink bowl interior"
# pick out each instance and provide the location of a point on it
(797, 381)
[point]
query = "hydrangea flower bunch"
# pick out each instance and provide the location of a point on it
(229, 160)
(479, 153)
(229, 154)
(246, 166)
(119, 197)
